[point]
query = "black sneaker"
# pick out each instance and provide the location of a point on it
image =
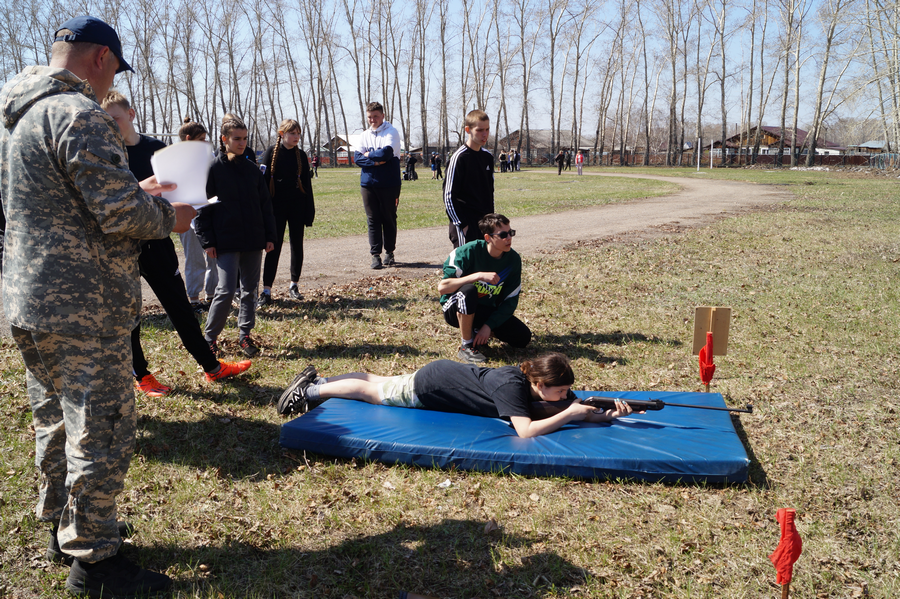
(293, 400)
(295, 293)
(248, 347)
(115, 577)
(198, 309)
(214, 348)
(55, 555)
(376, 262)
(265, 299)
(389, 259)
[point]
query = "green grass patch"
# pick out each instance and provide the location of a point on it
(221, 508)
(340, 212)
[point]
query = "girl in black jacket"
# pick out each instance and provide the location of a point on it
(234, 232)
(287, 175)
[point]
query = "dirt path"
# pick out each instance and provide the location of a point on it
(337, 261)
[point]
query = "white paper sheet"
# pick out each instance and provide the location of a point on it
(187, 165)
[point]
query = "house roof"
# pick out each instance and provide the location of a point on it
(872, 145)
(776, 132)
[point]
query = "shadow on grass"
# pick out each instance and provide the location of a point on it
(318, 311)
(756, 473)
(433, 266)
(454, 558)
(328, 351)
(231, 446)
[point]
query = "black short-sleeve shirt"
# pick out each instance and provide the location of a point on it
(447, 386)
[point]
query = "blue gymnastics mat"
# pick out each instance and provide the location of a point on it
(674, 444)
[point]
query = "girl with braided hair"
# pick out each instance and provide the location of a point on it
(535, 397)
(287, 176)
(234, 231)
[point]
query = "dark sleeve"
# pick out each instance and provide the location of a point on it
(267, 160)
(265, 204)
(306, 180)
(204, 220)
(383, 155)
(512, 399)
(362, 160)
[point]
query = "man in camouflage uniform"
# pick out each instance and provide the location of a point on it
(75, 214)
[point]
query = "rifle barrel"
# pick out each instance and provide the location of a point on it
(747, 410)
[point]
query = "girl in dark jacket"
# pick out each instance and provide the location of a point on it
(235, 231)
(287, 176)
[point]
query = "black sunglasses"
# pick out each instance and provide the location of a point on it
(504, 234)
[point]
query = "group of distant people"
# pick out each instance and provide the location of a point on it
(564, 161)
(509, 161)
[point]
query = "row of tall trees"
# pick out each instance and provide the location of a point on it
(608, 74)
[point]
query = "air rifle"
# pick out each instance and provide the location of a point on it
(642, 405)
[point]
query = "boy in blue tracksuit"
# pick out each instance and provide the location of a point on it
(378, 156)
(480, 290)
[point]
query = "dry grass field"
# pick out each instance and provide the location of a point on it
(221, 508)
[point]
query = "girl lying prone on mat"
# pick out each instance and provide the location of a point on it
(515, 393)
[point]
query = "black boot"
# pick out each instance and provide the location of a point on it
(115, 577)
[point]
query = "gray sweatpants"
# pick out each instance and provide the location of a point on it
(229, 265)
(200, 271)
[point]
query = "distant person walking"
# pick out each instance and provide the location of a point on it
(379, 159)
(579, 162)
(560, 161)
(411, 161)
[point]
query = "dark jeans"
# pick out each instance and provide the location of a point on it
(513, 331)
(159, 267)
(381, 216)
(296, 232)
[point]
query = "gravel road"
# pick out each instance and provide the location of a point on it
(699, 202)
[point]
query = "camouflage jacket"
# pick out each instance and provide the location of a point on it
(74, 211)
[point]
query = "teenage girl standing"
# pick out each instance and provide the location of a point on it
(287, 176)
(199, 269)
(235, 231)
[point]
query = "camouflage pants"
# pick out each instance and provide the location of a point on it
(82, 404)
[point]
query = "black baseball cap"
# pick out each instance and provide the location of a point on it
(93, 30)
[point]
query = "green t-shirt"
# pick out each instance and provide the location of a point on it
(502, 297)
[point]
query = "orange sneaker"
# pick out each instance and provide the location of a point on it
(228, 369)
(152, 387)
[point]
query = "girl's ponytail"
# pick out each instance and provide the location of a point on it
(553, 370)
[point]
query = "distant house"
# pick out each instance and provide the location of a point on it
(870, 147)
(769, 138)
(541, 148)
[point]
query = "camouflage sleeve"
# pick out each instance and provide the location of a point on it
(97, 164)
